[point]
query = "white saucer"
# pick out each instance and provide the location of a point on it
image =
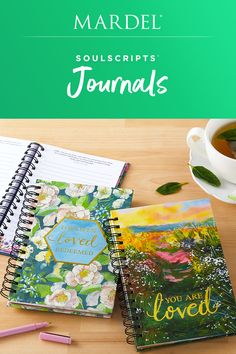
(198, 157)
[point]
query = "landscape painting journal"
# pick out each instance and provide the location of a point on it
(178, 288)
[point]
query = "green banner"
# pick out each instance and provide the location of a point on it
(118, 59)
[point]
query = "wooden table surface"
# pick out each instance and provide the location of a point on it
(158, 153)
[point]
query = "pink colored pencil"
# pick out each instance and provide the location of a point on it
(23, 329)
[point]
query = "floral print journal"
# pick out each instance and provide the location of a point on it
(61, 249)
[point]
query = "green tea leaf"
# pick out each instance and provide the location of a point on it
(90, 289)
(43, 290)
(206, 175)
(229, 135)
(170, 188)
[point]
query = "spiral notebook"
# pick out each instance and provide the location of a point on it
(60, 260)
(44, 161)
(174, 285)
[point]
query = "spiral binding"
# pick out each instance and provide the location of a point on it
(130, 313)
(18, 185)
(21, 238)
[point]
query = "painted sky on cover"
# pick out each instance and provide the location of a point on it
(168, 213)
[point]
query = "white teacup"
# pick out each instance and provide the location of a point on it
(223, 165)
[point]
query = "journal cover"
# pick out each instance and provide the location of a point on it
(66, 265)
(174, 276)
(45, 160)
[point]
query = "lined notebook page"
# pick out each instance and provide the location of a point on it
(55, 164)
(61, 164)
(11, 152)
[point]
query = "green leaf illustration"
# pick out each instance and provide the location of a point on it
(104, 309)
(74, 201)
(170, 188)
(103, 259)
(206, 175)
(60, 185)
(106, 250)
(17, 279)
(80, 306)
(43, 290)
(108, 276)
(229, 135)
(35, 228)
(84, 201)
(93, 204)
(90, 289)
(47, 211)
(27, 269)
(77, 288)
(53, 278)
(64, 199)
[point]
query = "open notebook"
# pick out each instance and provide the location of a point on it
(23, 162)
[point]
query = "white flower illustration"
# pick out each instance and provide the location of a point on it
(63, 298)
(108, 292)
(122, 193)
(79, 190)
(41, 256)
(38, 238)
(110, 268)
(92, 299)
(103, 192)
(84, 275)
(33, 220)
(49, 220)
(93, 309)
(48, 196)
(28, 250)
(118, 203)
(57, 286)
(67, 210)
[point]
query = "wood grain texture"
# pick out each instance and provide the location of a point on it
(158, 153)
